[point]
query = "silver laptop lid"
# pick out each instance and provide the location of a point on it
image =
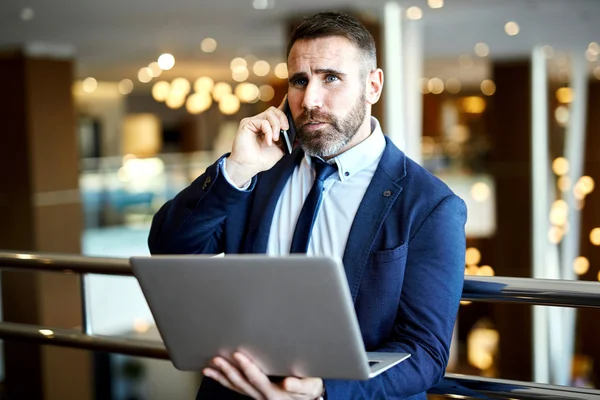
(293, 315)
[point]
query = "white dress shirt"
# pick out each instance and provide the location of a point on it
(342, 194)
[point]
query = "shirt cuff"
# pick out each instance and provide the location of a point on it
(222, 166)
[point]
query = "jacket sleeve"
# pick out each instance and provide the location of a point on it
(194, 222)
(427, 310)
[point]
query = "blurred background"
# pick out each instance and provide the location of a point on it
(109, 108)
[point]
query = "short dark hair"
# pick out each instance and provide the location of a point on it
(332, 23)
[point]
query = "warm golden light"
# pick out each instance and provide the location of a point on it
(414, 13)
(562, 115)
(488, 87)
(595, 236)
(161, 90)
(560, 166)
(89, 85)
(564, 95)
(266, 93)
(181, 86)
(204, 84)
(486, 270)
(155, 69)
(482, 345)
(555, 234)
(198, 102)
(559, 213)
(472, 269)
(47, 332)
(125, 86)
(453, 85)
(240, 75)
(261, 68)
(229, 104)
(473, 104)
(208, 45)
(480, 192)
(145, 75)
(564, 183)
(591, 55)
(512, 28)
(238, 64)
(472, 256)
(435, 85)
(465, 302)
(281, 71)
(166, 61)
(247, 92)
(435, 3)
(140, 325)
(221, 89)
(482, 49)
(586, 184)
(581, 265)
(175, 100)
(597, 72)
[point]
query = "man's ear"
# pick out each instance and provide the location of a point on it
(374, 86)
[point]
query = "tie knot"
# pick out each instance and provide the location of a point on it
(322, 169)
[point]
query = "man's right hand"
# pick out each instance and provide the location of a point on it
(254, 148)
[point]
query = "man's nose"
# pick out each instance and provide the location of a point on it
(313, 96)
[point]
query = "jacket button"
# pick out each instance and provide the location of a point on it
(206, 183)
(387, 193)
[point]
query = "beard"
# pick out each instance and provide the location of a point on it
(336, 134)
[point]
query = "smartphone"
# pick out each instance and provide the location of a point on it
(288, 137)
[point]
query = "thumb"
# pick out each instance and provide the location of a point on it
(292, 385)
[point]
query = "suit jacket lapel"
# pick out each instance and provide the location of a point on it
(267, 191)
(382, 193)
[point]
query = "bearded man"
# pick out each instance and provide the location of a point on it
(398, 229)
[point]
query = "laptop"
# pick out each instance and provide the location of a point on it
(293, 316)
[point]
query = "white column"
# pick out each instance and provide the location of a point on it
(575, 153)
(539, 173)
(413, 63)
(394, 88)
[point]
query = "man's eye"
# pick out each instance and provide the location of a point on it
(331, 78)
(300, 82)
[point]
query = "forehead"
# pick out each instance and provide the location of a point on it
(321, 53)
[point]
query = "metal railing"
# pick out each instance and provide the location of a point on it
(491, 289)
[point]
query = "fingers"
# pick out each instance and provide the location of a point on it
(254, 375)
(230, 377)
(268, 123)
(303, 386)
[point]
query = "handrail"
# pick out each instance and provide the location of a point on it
(476, 288)
(549, 292)
(67, 263)
(455, 385)
(77, 339)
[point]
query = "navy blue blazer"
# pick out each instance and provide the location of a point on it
(404, 260)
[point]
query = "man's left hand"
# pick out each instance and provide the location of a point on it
(246, 378)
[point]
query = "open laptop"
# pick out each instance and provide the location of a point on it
(293, 315)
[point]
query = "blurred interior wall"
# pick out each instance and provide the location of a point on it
(509, 252)
(40, 210)
(106, 106)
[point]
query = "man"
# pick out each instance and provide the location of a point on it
(398, 229)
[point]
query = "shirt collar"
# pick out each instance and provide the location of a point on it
(362, 155)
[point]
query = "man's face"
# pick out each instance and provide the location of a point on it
(326, 95)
